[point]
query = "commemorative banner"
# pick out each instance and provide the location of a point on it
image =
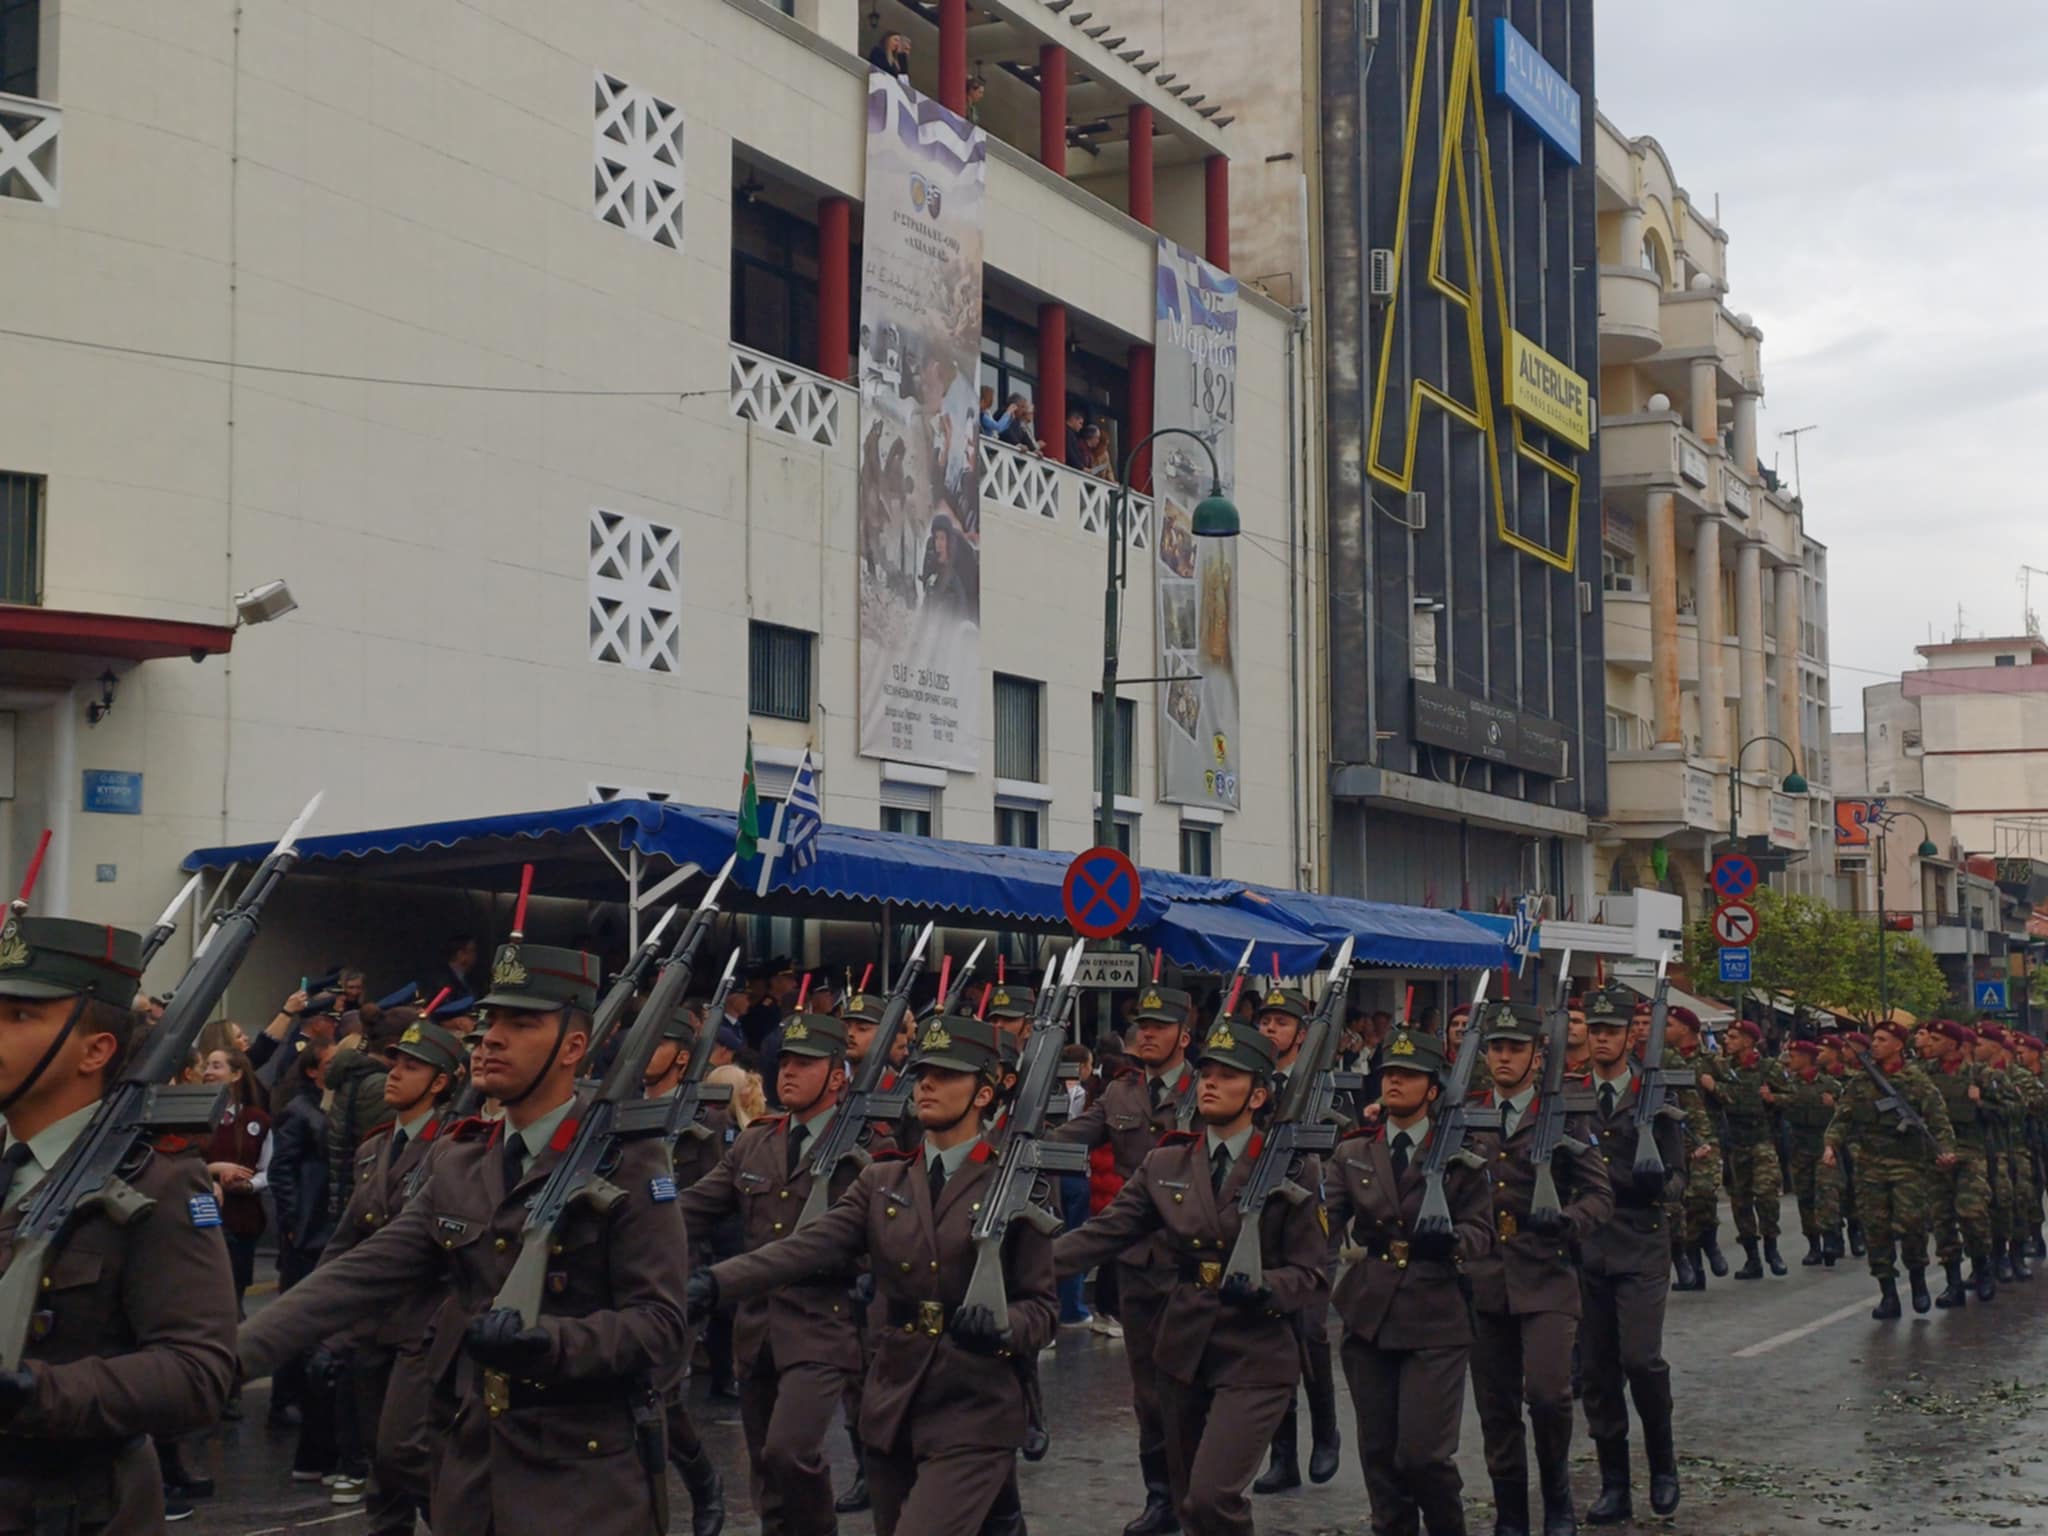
(1195, 581)
(919, 497)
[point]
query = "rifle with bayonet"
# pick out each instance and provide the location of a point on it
(1546, 1212)
(1027, 1152)
(950, 1003)
(864, 1101)
(142, 1103)
(1299, 1127)
(1456, 1118)
(1649, 1172)
(1889, 1097)
(167, 925)
(686, 1105)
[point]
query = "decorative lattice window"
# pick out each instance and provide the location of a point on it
(636, 580)
(639, 162)
(604, 794)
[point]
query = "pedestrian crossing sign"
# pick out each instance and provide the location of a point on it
(1989, 996)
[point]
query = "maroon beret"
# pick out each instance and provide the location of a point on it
(1993, 1032)
(1854, 1037)
(1747, 1027)
(1808, 1047)
(1683, 1015)
(1962, 1034)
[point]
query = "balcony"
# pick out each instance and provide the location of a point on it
(1630, 327)
(1657, 794)
(1653, 451)
(28, 149)
(787, 399)
(1699, 324)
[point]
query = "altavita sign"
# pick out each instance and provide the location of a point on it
(1525, 79)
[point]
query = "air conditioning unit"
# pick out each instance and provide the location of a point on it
(1585, 597)
(1418, 510)
(1372, 21)
(1382, 273)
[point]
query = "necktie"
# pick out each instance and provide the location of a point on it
(1219, 1167)
(397, 1143)
(935, 1170)
(798, 1135)
(515, 1158)
(1607, 1098)
(12, 1161)
(1507, 1120)
(1402, 1142)
(1157, 1089)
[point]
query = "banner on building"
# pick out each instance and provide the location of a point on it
(920, 466)
(1195, 589)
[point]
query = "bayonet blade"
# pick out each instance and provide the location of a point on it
(170, 917)
(290, 841)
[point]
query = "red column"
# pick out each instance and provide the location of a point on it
(1216, 207)
(1052, 378)
(953, 55)
(1052, 107)
(1140, 392)
(835, 262)
(1141, 164)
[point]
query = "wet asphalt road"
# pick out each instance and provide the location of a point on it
(1796, 1413)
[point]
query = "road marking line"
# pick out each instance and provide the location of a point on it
(1793, 1335)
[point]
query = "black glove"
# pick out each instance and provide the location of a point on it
(324, 1367)
(1238, 1291)
(501, 1340)
(864, 1288)
(1648, 1183)
(974, 1328)
(1547, 1223)
(17, 1391)
(1434, 1247)
(700, 1295)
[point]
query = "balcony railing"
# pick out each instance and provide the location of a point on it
(28, 148)
(786, 398)
(1021, 481)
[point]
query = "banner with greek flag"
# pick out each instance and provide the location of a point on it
(798, 820)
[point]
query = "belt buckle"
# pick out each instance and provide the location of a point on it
(1211, 1274)
(931, 1316)
(1505, 1224)
(497, 1392)
(1398, 1251)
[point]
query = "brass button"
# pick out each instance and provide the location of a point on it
(1196, 1241)
(785, 1194)
(974, 1208)
(1177, 1199)
(935, 1264)
(904, 1266)
(888, 1210)
(592, 1445)
(500, 1246)
(554, 1247)
(778, 1226)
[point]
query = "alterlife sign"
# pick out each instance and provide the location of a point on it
(1533, 88)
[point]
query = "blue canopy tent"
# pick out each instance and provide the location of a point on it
(1420, 938)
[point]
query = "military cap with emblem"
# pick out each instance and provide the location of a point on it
(1009, 1001)
(1512, 1021)
(863, 1007)
(958, 1044)
(813, 1034)
(45, 957)
(1231, 1043)
(426, 1041)
(1413, 1050)
(1162, 1005)
(1283, 1000)
(682, 1024)
(538, 978)
(1605, 1006)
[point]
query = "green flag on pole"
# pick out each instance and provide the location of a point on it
(749, 843)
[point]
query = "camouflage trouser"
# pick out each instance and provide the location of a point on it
(1827, 1200)
(1807, 1176)
(2031, 1197)
(1700, 1205)
(1754, 1189)
(1964, 1206)
(2005, 1202)
(1895, 1201)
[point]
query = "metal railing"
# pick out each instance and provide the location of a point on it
(28, 148)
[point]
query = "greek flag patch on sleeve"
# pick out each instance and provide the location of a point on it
(204, 1210)
(662, 1189)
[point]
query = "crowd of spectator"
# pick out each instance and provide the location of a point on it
(1083, 446)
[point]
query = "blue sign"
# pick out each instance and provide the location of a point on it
(1532, 87)
(112, 793)
(1989, 996)
(1735, 965)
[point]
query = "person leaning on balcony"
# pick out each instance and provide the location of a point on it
(892, 55)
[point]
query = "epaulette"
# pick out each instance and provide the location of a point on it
(471, 1127)
(374, 1132)
(1367, 1131)
(1124, 1072)
(893, 1155)
(565, 1133)
(982, 1152)
(1179, 1138)
(171, 1144)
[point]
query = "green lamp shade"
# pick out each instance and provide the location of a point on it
(1216, 517)
(1928, 850)
(1795, 783)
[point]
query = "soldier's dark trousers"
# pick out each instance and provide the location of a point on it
(786, 1413)
(1141, 1303)
(942, 1493)
(392, 1403)
(1210, 1472)
(1621, 1340)
(1409, 1405)
(1517, 1359)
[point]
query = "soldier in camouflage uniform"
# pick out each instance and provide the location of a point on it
(1895, 1166)
(1963, 1209)
(2008, 1131)
(2034, 1094)
(1748, 1087)
(1808, 1101)
(1702, 1205)
(1831, 1185)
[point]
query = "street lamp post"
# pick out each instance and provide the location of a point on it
(1882, 821)
(1215, 518)
(1794, 784)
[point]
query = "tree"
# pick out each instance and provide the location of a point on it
(1816, 957)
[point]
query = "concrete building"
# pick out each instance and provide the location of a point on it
(516, 342)
(1715, 594)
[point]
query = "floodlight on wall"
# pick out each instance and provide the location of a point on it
(259, 605)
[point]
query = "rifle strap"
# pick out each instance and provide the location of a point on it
(70, 1023)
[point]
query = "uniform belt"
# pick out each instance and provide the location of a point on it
(927, 1317)
(506, 1393)
(1206, 1273)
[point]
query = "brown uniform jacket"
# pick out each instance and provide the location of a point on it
(1124, 1116)
(613, 1306)
(381, 1187)
(1200, 1339)
(1530, 1271)
(137, 1338)
(1388, 1297)
(1635, 1240)
(813, 1320)
(922, 1382)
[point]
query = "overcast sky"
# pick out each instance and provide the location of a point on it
(1883, 175)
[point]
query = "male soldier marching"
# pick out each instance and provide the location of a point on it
(1625, 1277)
(940, 1419)
(2008, 1120)
(1408, 1327)
(137, 1339)
(1702, 1200)
(1962, 1208)
(1228, 1354)
(1131, 1114)
(1748, 1087)
(793, 1347)
(1525, 1292)
(1809, 1104)
(563, 1416)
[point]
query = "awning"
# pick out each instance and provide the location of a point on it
(1423, 938)
(1211, 936)
(1711, 1013)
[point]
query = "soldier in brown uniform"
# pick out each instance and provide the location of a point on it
(794, 1347)
(1526, 1291)
(943, 1413)
(1227, 1352)
(387, 1364)
(1131, 1114)
(563, 1417)
(1625, 1275)
(137, 1336)
(1407, 1323)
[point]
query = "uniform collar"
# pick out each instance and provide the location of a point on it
(1417, 1133)
(54, 1140)
(815, 1126)
(536, 1136)
(1236, 1144)
(952, 1159)
(1620, 1080)
(410, 1129)
(1519, 1102)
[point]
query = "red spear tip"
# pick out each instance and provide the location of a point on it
(440, 997)
(803, 991)
(1158, 959)
(982, 1011)
(945, 979)
(35, 868)
(865, 974)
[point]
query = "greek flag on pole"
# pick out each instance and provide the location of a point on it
(798, 820)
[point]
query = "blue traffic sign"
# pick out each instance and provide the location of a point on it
(1734, 876)
(1989, 996)
(1735, 965)
(1101, 893)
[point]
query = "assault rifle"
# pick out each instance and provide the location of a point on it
(1027, 1153)
(141, 1103)
(1544, 1207)
(581, 1174)
(1889, 1097)
(951, 1001)
(1658, 1080)
(842, 1137)
(685, 1107)
(1301, 1125)
(1455, 1120)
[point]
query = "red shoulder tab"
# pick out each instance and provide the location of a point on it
(1363, 1132)
(1251, 1148)
(472, 1128)
(171, 1143)
(982, 1152)
(434, 1128)
(893, 1155)
(1180, 1138)
(767, 1122)
(564, 1134)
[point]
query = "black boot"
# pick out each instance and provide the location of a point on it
(1510, 1509)
(1813, 1252)
(1752, 1264)
(1681, 1268)
(855, 1499)
(1772, 1257)
(1613, 1506)
(1917, 1280)
(2001, 1258)
(1887, 1306)
(1325, 1440)
(1830, 1247)
(1856, 1244)
(1283, 1471)
(1662, 1455)
(1158, 1517)
(1559, 1519)
(1710, 1245)
(2037, 1246)
(1952, 1294)
(707, 1493)
(1005, 1517)
(2020, 1271)
(1980, 1276)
